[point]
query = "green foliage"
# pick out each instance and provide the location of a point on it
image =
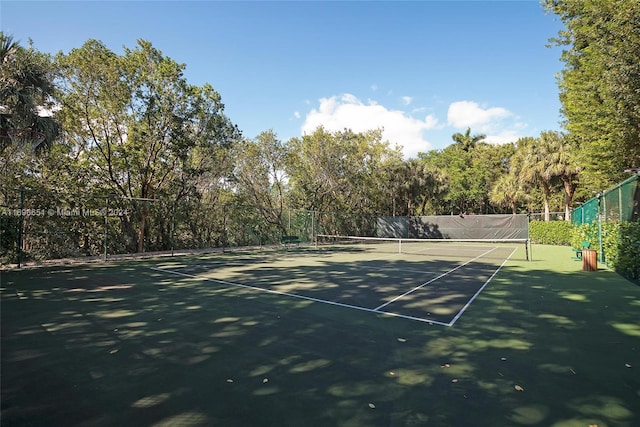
(585, 233)
(26, 85)
(342, 171)
(141, 131)
(471, 169)
(9, 226)
(550, 232)
(620, 245)
(600, 84)
(259, 175)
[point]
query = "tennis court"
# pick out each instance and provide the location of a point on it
(345, 335)
(423, 281)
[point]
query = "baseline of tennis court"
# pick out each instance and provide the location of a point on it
(432, 289)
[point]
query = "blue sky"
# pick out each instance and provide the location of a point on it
(421, 70)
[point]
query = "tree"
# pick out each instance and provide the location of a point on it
(26, 90)
(563, 163)
(418, 185)
(136, 125)
(489, 163)
(508, 191)
(470, 166)
(343, 175)
(600, 84)
(260, 178)
(467, 141)
(545, 159)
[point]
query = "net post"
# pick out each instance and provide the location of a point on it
(527, 242)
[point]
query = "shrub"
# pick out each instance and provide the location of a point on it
(550, 232)
(620, 245)
(585, 233)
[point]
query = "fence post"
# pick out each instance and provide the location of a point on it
(600, 217)
(20, 227)
(314, 236)
(620, 217)
(106, 226)
(224, 227)
(173, 225)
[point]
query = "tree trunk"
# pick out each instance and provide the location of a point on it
(569, 189)
(547, 197)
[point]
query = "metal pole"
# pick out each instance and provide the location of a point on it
(173, 225)
(314, 238)
(106, 227)
(600, 217)
(20, 227)
(224, 227)
(620, 214)
(528, 248)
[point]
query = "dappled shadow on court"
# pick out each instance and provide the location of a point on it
(127, 345)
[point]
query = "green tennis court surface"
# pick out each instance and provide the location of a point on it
(326, 337)
(434, 284)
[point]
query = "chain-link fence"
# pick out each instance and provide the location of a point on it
(37, 225)
(46, 225)
(620, 203)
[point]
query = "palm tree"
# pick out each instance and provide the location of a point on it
(7, 47)
(535, 167)
(508, 191)
(564, 164)
(467, 141)
(25, 86)
(547, 157)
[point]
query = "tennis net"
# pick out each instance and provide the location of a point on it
(442, 248)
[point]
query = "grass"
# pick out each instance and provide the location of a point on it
(121, 344)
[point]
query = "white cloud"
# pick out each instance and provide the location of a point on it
(499, 124)
(463, 114)
(296, 114)
(347, 111)
(503, 137)
(406, 100)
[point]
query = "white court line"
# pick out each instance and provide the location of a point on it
(432, 280)
(463, 309)
(270, 291)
